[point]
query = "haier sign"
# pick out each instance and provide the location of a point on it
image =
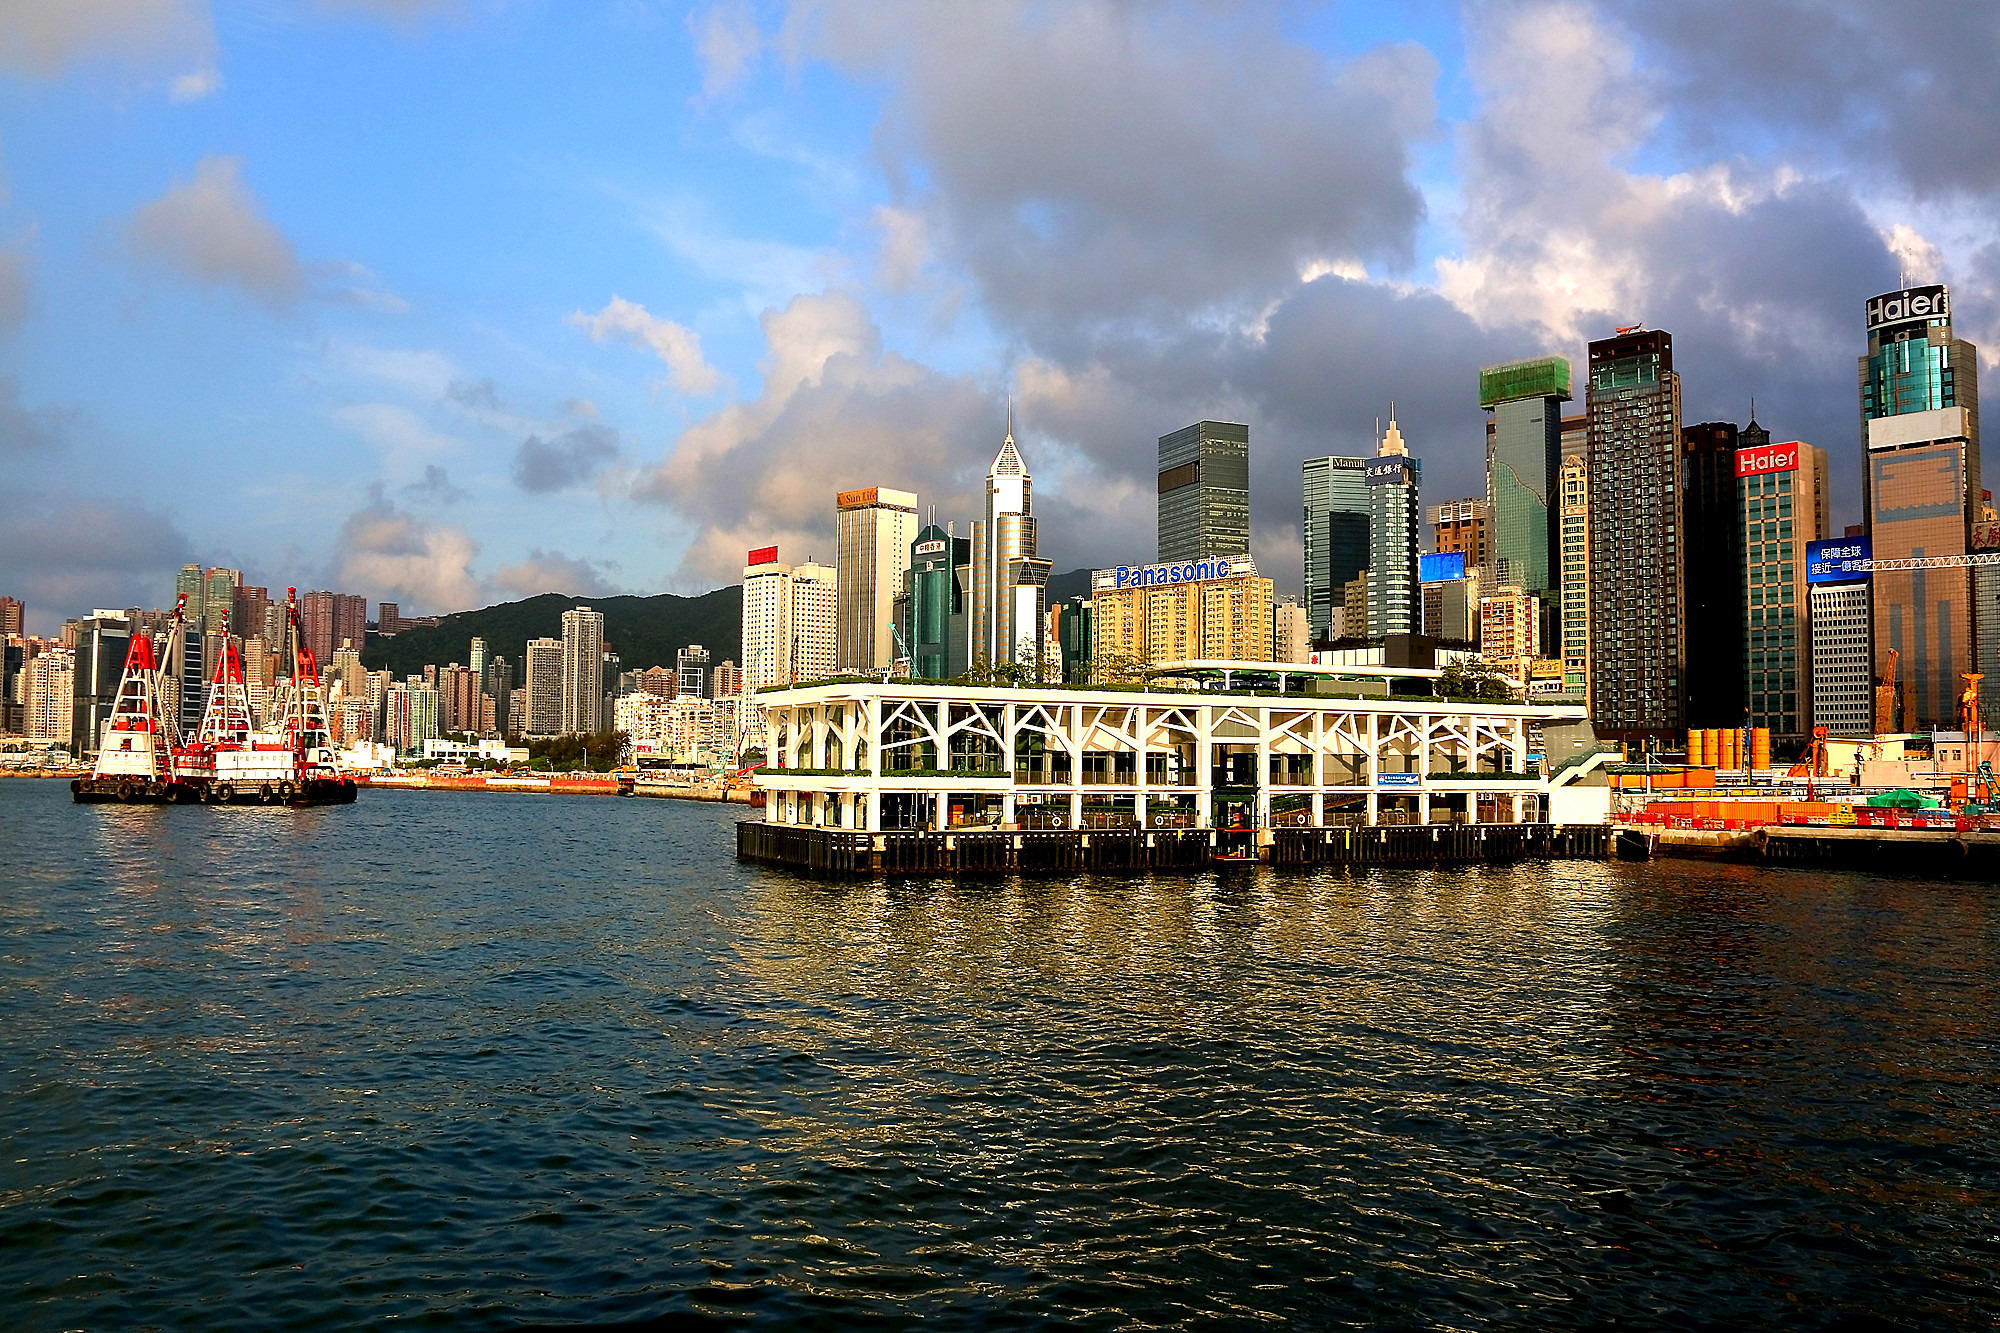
(1770, 458)
(1840, 560)
(1907, 306)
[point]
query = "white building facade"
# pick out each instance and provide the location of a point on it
(898, 754)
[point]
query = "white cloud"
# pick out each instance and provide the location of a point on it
(404, 439)
(195, 85)
(552, 571)
(425, 566)
(728, 43)
(417, 371)
(212, 229)
(43, 37)
(677, 346)
(835, 412)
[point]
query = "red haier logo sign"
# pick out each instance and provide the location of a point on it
(766, 555)
(1770, 458)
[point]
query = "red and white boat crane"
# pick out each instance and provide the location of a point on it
(143, 757)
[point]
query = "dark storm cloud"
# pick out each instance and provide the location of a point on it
(570, 459)
(435, 488)
(1849, 82)
(1115, 164)
(26, 429)
(64, 553)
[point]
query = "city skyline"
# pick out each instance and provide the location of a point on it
(251, 345)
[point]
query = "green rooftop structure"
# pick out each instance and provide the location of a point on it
(1536, 377)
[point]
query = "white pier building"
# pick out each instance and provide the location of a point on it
(1207, 745)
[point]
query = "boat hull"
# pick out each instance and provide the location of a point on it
(138, 791)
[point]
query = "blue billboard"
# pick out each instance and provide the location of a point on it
(1441, 568)
(1839, 560)
(1388, 470)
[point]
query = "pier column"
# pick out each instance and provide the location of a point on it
(1424, 806)
(1139, 803)
(1006, 807)
(940, 810)
(874, 810)
(1076, 809)
(1374, 811)
(1319, 807)
(1472, 807)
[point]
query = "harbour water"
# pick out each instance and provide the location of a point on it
(496, 1061)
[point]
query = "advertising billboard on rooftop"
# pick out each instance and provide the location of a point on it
(1838, 560)
(1441, 568)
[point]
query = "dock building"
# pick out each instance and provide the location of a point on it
(1249, 749)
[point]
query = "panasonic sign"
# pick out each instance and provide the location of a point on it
(1167, 575)
(1907, 306)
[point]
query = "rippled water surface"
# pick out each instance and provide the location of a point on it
(493, 1061)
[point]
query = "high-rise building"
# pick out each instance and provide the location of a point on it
(347, 669)
(1334, 526)
(543, 681)
(691, 671)
(1291, 632)
(410, 716)
(188, 583)
(658, 681)
(500, 689)
(1843, 688)
(582, 671)
(247, 616)
(102, 642)
(1638, 621)
(1451, 606)
(1354, 607)
(811, 615)
(1919, 388)
(1462, 527)
(1717, 612)
(1009, 579)
(218, 595)
(13, 617)
(388, 619)
(728, 680)
(1523, 451)
(1205, 491)
(1782, 507)
(1573, 522)
(48, 696)
(873, 532)
(1221, 612)
(475, 658)
(767, 601)
(458, 700)
(1395, 521)
(935, 630)
(1510, 621)
(789, 618)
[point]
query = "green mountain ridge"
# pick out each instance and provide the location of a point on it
(643, 631)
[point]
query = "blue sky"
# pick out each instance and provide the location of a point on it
(450, 303)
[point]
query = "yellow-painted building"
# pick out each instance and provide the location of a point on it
(1221, 619)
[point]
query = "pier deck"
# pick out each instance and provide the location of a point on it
(858, 852)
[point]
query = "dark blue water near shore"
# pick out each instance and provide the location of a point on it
(485, 1062)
